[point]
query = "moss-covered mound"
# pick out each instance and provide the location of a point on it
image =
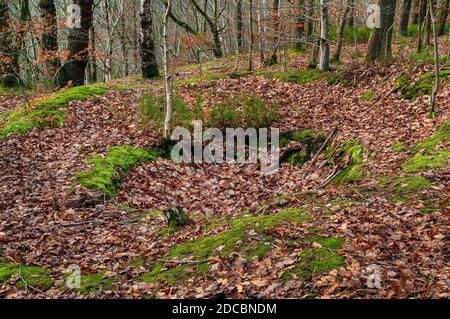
(233, 240)
(354, 153)
(47, 112)
(312, 140)
(315, 261)
(108, 170)
(33, 276)
(425, 155)
(424, 86)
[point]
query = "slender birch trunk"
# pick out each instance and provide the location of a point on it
(167, 75)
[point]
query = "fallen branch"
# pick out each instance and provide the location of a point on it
(329, 179)
(28, 285)
(330, 137)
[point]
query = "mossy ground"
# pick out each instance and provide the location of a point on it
(232, 240)
(425, 156)
(399, 147)
(423, 86)
(34, 276)
(90, 284)
(107, 170)
(405, 183)
(368, 96)
(314, 261)
(49, 111)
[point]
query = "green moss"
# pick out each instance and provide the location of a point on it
(368, 96)
(352, 172)
(433, 160)
(200, 249)
(425, 156)
(48, 112)
(137, 262)
(107, 171)
(315, 261)
(94, 283)
(312, 140)
(34, 276)
(405, 183)
(399, 147)
(196, 80)
(298, 76)
(423, 86)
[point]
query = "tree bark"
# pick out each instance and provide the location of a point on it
(167, 75)
(340, 36)
(148, 55)
(380, 44)
(404, 17)
(9, 66)
(251, 40)
(239, 25)
(300, 28)
(437, 83)
(324, 64)
(74, 70)
(443, 16)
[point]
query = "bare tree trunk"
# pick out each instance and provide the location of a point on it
(324, 64)
(148, 55)
(92, 71)
(404, 17)
(8, 71)
(74, 70)
(340, 36)
(422, 5)
(167, 75)
(437, 84)
(300, 28)
(239, 24)
(426, 36)
(276, 29)
(351, 15)
(443, 16)
(380, 44)
(251, 40)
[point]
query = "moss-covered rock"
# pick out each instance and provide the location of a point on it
(108, 170)
(354, 153)
(34, 276)
(423, 86)
(312, 140)
(425, 156)
(232, 240)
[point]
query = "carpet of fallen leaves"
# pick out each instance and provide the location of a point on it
(41, 223)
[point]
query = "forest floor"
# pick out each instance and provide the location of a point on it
(296, 234)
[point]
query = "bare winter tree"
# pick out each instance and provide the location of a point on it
(324, 63)
(74, 69)
(167, 75)
(380, 44)
(405, 11)
(148, 54)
